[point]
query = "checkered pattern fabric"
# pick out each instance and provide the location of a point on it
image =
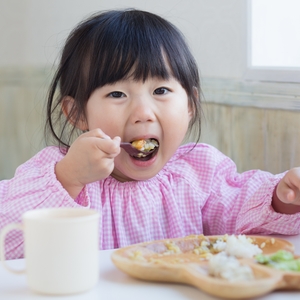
(197, 191)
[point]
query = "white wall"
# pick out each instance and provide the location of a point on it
(33, 31)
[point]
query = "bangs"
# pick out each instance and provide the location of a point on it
(135, 45)
(134, 62)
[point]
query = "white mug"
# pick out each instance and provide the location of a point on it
(60, 249)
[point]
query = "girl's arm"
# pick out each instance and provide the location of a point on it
(244, 202)
(34, 186)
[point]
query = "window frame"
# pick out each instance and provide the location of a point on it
(271, 74)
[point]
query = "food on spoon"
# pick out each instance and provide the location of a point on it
(280, 260)
(145, 145)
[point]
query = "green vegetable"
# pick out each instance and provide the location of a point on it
(281, 260)
(282, 255)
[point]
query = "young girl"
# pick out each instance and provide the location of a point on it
(129, 76)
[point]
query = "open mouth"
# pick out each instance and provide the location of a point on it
(145, 156)
(148, 149)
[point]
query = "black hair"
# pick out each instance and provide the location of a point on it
(111, 46)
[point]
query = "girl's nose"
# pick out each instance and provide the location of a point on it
(142, 111)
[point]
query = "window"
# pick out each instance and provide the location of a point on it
(273, 40)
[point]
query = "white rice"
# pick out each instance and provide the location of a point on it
(219, 246)
(240, 247)
(229, 268)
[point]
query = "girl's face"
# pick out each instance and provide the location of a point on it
(154, 109)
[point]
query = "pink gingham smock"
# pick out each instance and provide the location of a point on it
(197, 191)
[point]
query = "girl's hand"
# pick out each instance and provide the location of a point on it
(286, 197)
(90, 158)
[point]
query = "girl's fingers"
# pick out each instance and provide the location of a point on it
(110, 146)
(117, 140)
(284, 192)
(288, 189)
(290, 196)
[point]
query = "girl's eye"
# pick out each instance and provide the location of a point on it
(161, 91)
(117, 95)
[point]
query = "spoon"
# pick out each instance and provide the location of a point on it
(133, 151)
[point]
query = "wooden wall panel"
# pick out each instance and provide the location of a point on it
(282, 147)
(254, 137)
(247, 137)
(21, 123)
(216, 126)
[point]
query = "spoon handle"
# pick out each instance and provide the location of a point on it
(129, 148)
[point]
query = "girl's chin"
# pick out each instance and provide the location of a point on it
(136, 170)
(128, 177)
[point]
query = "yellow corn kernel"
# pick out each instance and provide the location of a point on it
(263, 245)
(137, 255)
(205, 243)
(196, 251)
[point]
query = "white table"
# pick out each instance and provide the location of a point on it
(115, 285)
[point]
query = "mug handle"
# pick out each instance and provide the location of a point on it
(3, 234)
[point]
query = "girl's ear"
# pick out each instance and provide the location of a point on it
(190, 111)
(69, 109)
(191, 107)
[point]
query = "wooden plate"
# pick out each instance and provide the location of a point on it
(177, 260)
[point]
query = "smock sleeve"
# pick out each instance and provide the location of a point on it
(33, 186)
(240, 203)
